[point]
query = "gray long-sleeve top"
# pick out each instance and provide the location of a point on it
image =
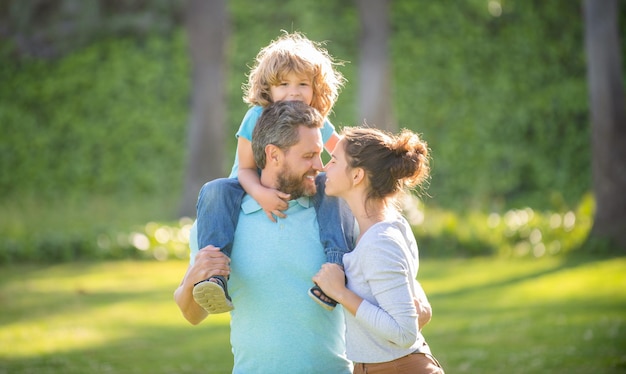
(382, 270)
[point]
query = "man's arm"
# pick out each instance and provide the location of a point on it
(209, 262)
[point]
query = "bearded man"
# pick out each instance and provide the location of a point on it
(275, 326)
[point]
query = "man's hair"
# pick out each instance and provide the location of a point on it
(278, 125)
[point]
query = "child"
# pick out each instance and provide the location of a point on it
(289, 68)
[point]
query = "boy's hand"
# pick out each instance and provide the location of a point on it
(273, 203)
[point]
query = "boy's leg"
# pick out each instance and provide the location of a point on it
(218, 207)
(336, 224)
(335, 221)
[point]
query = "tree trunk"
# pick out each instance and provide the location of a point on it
(207, 28)
(608, 120)
(374, 73)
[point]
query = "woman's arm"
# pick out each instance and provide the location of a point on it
(393, 315)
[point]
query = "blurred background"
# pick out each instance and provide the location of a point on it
(114, 113)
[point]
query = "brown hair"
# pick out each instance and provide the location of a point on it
(294, 53)
(392, 163)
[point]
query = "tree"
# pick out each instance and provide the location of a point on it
(207, 28)
(51, 29)
(374, 75)
(608, 118)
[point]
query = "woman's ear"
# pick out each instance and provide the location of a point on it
(358, 174)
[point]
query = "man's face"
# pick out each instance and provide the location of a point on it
(302, 163)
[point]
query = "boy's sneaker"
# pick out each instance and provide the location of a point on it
(212, 295)
(320, 297)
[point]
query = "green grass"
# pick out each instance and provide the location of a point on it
(553, 314)
(114, 317)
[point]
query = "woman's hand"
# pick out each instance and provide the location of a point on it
(424, 312)
(331, 279)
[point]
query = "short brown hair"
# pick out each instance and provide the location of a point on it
(278, 125)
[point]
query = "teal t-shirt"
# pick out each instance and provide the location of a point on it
(275, 326)
(248, 123)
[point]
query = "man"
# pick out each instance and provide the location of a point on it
(275, 326)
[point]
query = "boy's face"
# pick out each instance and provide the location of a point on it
(293, 87)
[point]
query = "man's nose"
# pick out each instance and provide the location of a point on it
(318, 164)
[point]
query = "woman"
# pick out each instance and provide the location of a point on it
(368, 169)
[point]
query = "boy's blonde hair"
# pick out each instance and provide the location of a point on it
(294, 53)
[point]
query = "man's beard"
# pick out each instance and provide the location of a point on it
(295, 185)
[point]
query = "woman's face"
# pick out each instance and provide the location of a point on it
(338, 176)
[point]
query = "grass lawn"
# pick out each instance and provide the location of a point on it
(554, 315)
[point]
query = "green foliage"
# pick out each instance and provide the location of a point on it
(93, 227)
(110, 118)
(515, 233)
(500, 98)
(100, 232)
(53, 28)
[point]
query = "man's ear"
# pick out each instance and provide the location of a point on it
(273, 154)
